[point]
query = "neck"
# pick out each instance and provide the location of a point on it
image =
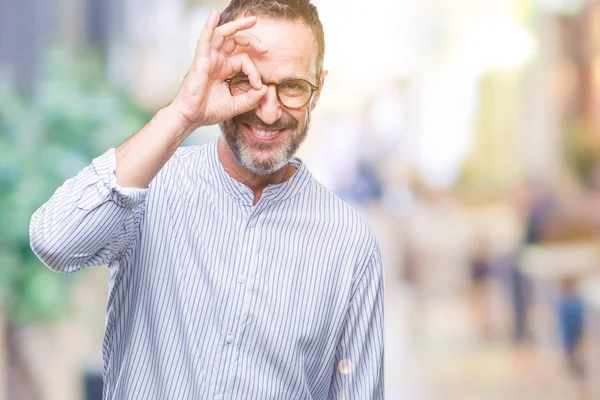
(241, 174)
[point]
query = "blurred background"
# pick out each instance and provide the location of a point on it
(467, 133)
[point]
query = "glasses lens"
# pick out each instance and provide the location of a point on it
(295, 93)
(239, 84)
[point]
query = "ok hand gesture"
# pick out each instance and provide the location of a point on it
(203, 98)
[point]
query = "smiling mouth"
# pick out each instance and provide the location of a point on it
(261, 133)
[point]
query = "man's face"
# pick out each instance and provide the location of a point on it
(264, 139)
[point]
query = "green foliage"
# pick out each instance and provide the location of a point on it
(74, 116)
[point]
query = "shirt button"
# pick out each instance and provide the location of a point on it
(252, 223)
(243, 189)
(218, 397)
(242, 278)
(229, 338)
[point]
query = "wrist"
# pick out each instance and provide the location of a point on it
(178, 124)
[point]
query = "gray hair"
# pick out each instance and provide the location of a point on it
(291, 10)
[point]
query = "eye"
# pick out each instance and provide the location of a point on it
(294, 88)
(240, 83)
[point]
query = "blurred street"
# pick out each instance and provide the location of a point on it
(435, 352)
(456, 344)
(466, 132)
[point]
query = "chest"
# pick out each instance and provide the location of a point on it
(270, 262)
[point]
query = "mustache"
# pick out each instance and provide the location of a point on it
(252, 119)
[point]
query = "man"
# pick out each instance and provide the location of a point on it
(234, 274)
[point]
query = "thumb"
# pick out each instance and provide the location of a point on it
(249, 100)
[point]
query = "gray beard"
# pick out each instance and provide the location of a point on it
(245, 153)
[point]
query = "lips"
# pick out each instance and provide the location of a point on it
(261, 134)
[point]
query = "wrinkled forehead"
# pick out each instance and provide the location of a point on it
(293, 49)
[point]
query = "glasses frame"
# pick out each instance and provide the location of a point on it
(313, 89)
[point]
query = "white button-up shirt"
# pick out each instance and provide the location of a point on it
(214, 297)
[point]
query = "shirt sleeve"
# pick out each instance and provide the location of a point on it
(359, 362)
(90, 220)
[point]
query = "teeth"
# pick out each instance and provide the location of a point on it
(264, 133)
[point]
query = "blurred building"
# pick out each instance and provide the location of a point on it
(28, 28)
(577, 91)
(24, 28)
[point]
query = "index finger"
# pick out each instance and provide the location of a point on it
(247, 40)
(231, 28)
(209, 27)
(208, 31)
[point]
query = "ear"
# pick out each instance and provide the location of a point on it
(315, 99)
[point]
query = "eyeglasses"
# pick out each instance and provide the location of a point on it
(291, 93)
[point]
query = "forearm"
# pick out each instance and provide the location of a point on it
(201, 100)
(141, 157)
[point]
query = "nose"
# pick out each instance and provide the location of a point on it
(269, 110)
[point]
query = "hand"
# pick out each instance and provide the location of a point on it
(203, 98)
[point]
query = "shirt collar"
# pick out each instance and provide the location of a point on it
(277, 192)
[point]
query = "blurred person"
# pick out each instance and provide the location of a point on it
(480, 268)
(234, 273)
(570, 310)
(480, 262)
(364, 185)
(539, 206)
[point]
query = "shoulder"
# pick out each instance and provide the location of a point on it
(344, 220)
(337, 208)
(357, 249)
(190, 155)
(186, 161)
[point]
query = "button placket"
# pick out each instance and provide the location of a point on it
(246, 239)
(251, 222)
(252, 237)
(254, 215)
(247, 277)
